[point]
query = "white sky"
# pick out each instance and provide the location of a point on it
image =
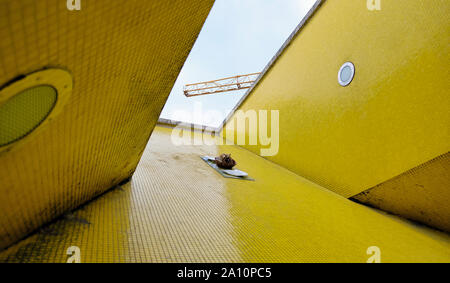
(239, 37)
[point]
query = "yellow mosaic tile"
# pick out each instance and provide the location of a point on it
(178, 209)
(124, 57)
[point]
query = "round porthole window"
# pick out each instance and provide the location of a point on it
(24, 112)
(346, 74)
(28, 104)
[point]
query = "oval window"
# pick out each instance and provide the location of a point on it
(25, 111)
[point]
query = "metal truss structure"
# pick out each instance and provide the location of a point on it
(221, 85)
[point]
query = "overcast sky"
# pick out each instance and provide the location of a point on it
(239, 37)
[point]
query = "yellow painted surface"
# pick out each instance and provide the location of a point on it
(421, 194)
(178, 209)
(124, 57)
(393, 116)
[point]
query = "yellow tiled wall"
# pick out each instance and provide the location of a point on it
(391, 118)
(124, 57)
